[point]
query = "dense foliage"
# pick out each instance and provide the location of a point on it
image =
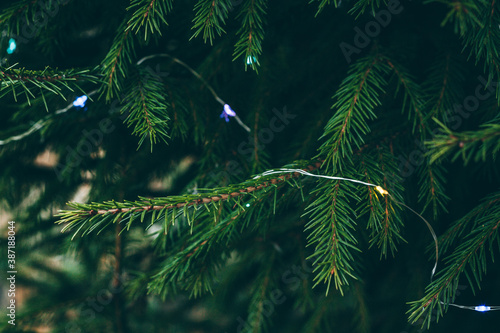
(138, 207)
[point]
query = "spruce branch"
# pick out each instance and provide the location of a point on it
(443, 86)
(478, 23)
(484, 40)
(361, 5)
(194, 258)
(149, 14)
(468, 258)
(117, 61)
(465, 14)
(431, 188)
(146, 107)
(463, 226)
(357, 97)
(22, 81)
(412, 95)
(322, 4)
(257, 318)
(23, 19)
(88, 217)
(331, 224)
(251, 32)
(384, 218)
(470, 145)
(210, 16)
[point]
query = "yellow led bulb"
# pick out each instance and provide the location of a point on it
(381, 190)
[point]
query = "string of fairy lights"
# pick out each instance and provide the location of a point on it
(80, 102)
(228, 112)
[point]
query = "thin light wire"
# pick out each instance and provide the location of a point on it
(41, 123)
(478, 308)
(430, 229)
(286, 170)
(207, 85)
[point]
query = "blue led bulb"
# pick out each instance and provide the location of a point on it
(482, 308)
(80, 101)
(228, 112)
(251, 60)
(12, 46)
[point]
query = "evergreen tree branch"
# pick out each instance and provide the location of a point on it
(361, 5)
(102, 214)
(116, 63)
(357, 97)
(330, 226)
(485, 39)
(478, 24)
(384, 218)
(469, 254)
(146, 106)
(476, 145)
(251, 33)
(322, 4)
(194, 258)
(149, 14)
(31, 82)
(431, 188)
(465, 14)
(257, 317)
(210, 17)
(23, 19)
(443, 87)
(412, 98)
(463, 226)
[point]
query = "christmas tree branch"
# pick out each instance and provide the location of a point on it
(193, 258)
(323, 4)
(47, 80)
(25, 16)
(361, 5)
(102, 212)
(146, 107)
(210, 17)
(431, 188)
(469, 145)
(251, 33)
(412, 95)
(443, 86)
(117, 61)
(464, 225)
(149, 14)
(357, 97)
(470, 253)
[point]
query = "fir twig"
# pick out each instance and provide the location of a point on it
(251, 33)
(210, 16)
(149, 14)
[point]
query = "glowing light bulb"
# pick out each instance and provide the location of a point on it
(482, 308)
(381, 190)
(228, 112)
(80, 101)
(12, 46)
(251, 60)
